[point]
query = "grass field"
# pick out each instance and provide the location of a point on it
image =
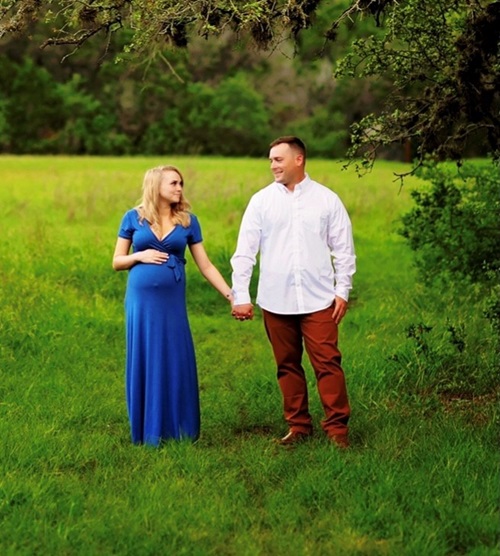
(422, 475)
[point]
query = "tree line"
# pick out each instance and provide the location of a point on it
(214, 77)
(213, 97)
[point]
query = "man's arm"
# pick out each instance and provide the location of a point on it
(341, 244)
(243, 261)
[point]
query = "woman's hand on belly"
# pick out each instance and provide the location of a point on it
(152, 256)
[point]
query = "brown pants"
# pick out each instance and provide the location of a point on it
(319, 333)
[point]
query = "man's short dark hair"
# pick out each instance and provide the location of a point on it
(292, 141)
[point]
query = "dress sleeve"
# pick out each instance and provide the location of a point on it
(126, 230)
(194, 235)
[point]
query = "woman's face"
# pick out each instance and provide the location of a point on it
(170, 187)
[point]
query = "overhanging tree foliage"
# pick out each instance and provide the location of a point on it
(441, 55)
(443, 58)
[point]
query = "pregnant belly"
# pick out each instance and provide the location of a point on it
(156, 276)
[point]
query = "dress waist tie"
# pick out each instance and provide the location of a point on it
(177, 265)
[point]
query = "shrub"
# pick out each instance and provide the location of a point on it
(230, 120)
(454, 229)
(324, 133)
(454, 226)
(33, 110)
(454, 232)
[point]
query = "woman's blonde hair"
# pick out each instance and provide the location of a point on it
(148, 207)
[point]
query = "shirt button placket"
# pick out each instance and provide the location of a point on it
(296, 225)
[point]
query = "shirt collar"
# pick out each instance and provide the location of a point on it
(299, 187)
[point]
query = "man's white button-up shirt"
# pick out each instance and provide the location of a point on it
(298, 233)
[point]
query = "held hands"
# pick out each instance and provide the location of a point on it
(243, 312)
(153, 256)
(339, 309)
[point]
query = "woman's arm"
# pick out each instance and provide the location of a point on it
(122, 260)
(209, 271)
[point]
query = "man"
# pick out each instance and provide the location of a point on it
(298, 225)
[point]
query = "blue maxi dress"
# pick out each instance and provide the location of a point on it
(161, 375)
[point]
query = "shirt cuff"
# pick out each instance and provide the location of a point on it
(343, 293)
(241, 298)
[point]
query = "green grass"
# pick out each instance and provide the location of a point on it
(420, 479)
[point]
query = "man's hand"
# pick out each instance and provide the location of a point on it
(339, 309)
(243, 312)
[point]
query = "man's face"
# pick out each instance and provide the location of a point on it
(287, 164)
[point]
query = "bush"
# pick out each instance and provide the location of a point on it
(230, 120)
(454, 232)
(90, 127)
(33, 110)
(324, 133)
(454, 227)
(166, 135)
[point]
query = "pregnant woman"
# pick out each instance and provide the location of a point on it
(161, 375)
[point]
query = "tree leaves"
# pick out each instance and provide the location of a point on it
(441, 56)
(443, 60)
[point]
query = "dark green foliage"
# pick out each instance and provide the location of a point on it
(324, 133)
(454, 225)
(455, 233)
(89, 126)
(232, 120)
(442, 60)
(40, 114)
(33, 109)
(492, 311)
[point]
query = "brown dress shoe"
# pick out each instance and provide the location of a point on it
(340, 440)
(294, 437)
